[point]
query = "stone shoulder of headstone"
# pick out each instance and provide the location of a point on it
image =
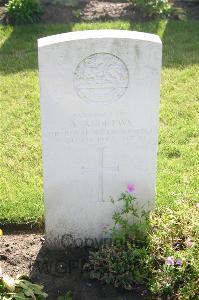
(95, 34)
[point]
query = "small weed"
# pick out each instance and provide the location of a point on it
(68, 296)
(153, 7)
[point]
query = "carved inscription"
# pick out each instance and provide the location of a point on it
(100, 131)
(101, 78)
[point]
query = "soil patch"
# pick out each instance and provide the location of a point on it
(92, 11)
(191, 8)
(58, 271)
(107, 10)
(101, 10)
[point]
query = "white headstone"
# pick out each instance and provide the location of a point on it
(99, 109)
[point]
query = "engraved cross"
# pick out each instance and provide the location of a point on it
(100, 171)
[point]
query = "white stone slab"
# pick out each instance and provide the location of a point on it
(99, 111)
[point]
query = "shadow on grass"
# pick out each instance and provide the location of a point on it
(180, 41)
(180, 44)
(19, 51)
(9, 228)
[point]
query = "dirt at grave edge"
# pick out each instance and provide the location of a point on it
(58, 271)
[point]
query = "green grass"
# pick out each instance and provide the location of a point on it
(21, 194)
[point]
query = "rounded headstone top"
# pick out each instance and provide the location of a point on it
(97, 34)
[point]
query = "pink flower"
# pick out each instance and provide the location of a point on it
(169, 261)
(197, 205)
(178, 262)
(105, 226)
(130, 187)
(189, 243)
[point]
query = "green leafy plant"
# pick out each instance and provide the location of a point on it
(68, 296)
(159, 250)
(174, 251)
(123, 263)
(20, 289)
(119, 265)
(129, 224)
(24, 11)
(153, 7)
(76, 13)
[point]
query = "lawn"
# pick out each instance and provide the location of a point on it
(21, 194)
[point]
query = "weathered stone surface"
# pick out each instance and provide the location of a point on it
(99, 108)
